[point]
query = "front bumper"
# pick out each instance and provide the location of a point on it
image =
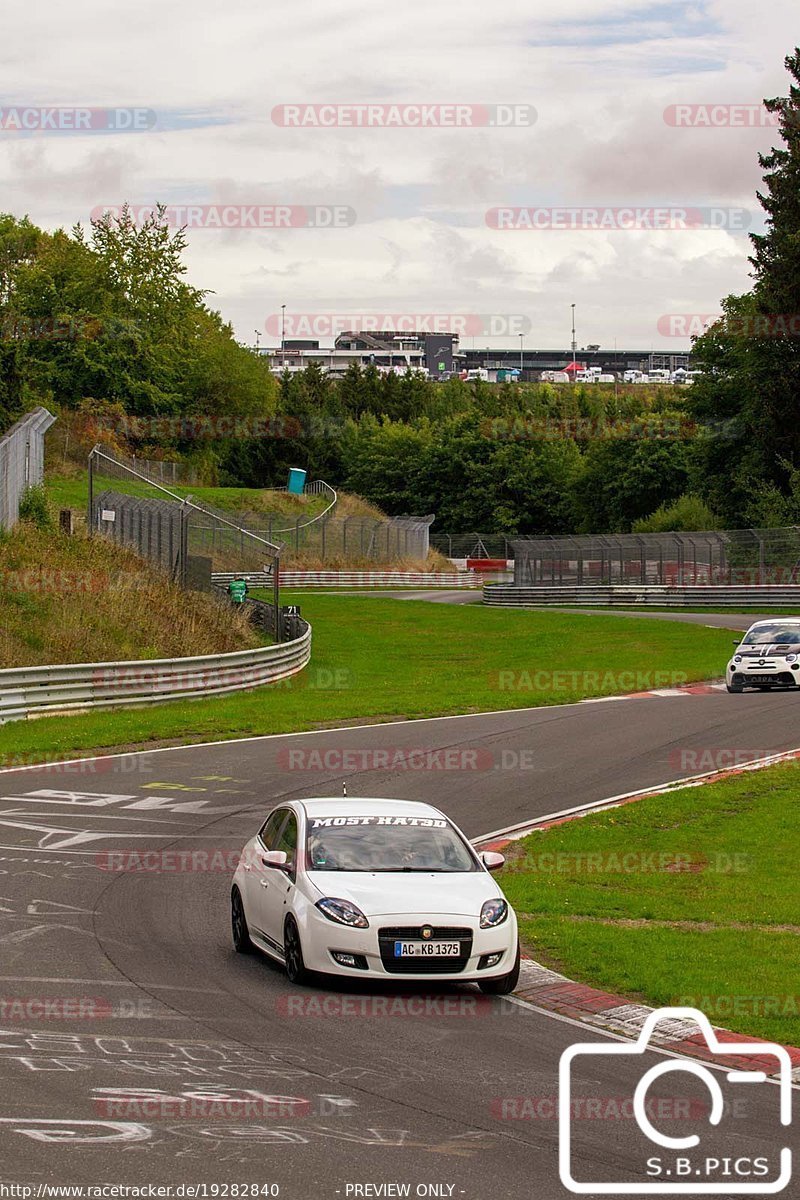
(372, 948)
(773, 672)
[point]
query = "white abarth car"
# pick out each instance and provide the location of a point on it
(768, 656)
(380, 889)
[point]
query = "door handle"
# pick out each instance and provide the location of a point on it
(263, 883)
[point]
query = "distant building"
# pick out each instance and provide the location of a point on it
(439, 356)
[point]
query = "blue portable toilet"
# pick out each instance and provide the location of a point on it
(297, 481)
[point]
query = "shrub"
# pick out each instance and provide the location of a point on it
(33, 507)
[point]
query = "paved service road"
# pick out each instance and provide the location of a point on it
(164, 1021)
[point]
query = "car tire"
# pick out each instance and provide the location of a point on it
(296, 969)
(239, 930)
(502, 984)
(735, 687)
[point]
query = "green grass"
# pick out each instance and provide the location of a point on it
(722, 934)
(73, 492)
(406, 658)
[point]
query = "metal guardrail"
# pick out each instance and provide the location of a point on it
(723, 595)
(299, 579)
(33, 691)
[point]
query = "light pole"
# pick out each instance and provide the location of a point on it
(574, 343)
(283, 335)
(520, 355)
(258, 339)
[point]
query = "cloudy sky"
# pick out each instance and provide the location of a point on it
(410, 232)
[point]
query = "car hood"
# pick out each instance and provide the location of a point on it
(389, 893)
(768, 650)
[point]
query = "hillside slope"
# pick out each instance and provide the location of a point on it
(70, 599)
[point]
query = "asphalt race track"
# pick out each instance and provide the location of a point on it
(374, 1096)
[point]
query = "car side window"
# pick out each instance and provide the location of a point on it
(288, 841)
(271, 828)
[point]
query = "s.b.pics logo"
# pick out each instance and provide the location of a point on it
(713, 1148)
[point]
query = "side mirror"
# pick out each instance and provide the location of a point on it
(274, 858)
(492, 861)
(738, 642)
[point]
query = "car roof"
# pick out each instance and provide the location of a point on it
(777, 621)
(357, 806)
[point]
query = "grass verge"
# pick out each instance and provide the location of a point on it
(75, 599)
(404, 659)
(688, 898)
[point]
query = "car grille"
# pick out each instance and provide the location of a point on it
(424, 966)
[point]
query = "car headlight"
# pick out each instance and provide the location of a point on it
(343, 912)
(737, 658)
(494, 912)
(791, 657)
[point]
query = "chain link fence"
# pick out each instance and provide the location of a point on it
(21, 462)
(348, 539)
(738, 556)
(473, 545)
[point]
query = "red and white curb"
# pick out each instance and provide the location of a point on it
(685, 689)
(555, 993)
(610, 1013)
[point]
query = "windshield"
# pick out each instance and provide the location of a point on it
(777, 634)
(396, 844)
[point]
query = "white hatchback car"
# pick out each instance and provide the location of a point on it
(381, 889)
(768, 656)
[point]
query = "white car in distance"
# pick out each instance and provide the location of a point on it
(768, 656)
(375, 889)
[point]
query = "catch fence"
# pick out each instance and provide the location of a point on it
(21, 462)
(703, 558)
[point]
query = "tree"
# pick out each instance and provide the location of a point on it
(752, 356)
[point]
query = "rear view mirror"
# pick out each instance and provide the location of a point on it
(492, 861)
(274, 858)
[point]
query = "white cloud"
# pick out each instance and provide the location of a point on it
(600, 73)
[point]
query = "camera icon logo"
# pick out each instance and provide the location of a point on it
(677, 1172)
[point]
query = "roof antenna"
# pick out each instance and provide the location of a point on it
(344, 789)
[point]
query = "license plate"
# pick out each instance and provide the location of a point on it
(427, 949)
(760, 678)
